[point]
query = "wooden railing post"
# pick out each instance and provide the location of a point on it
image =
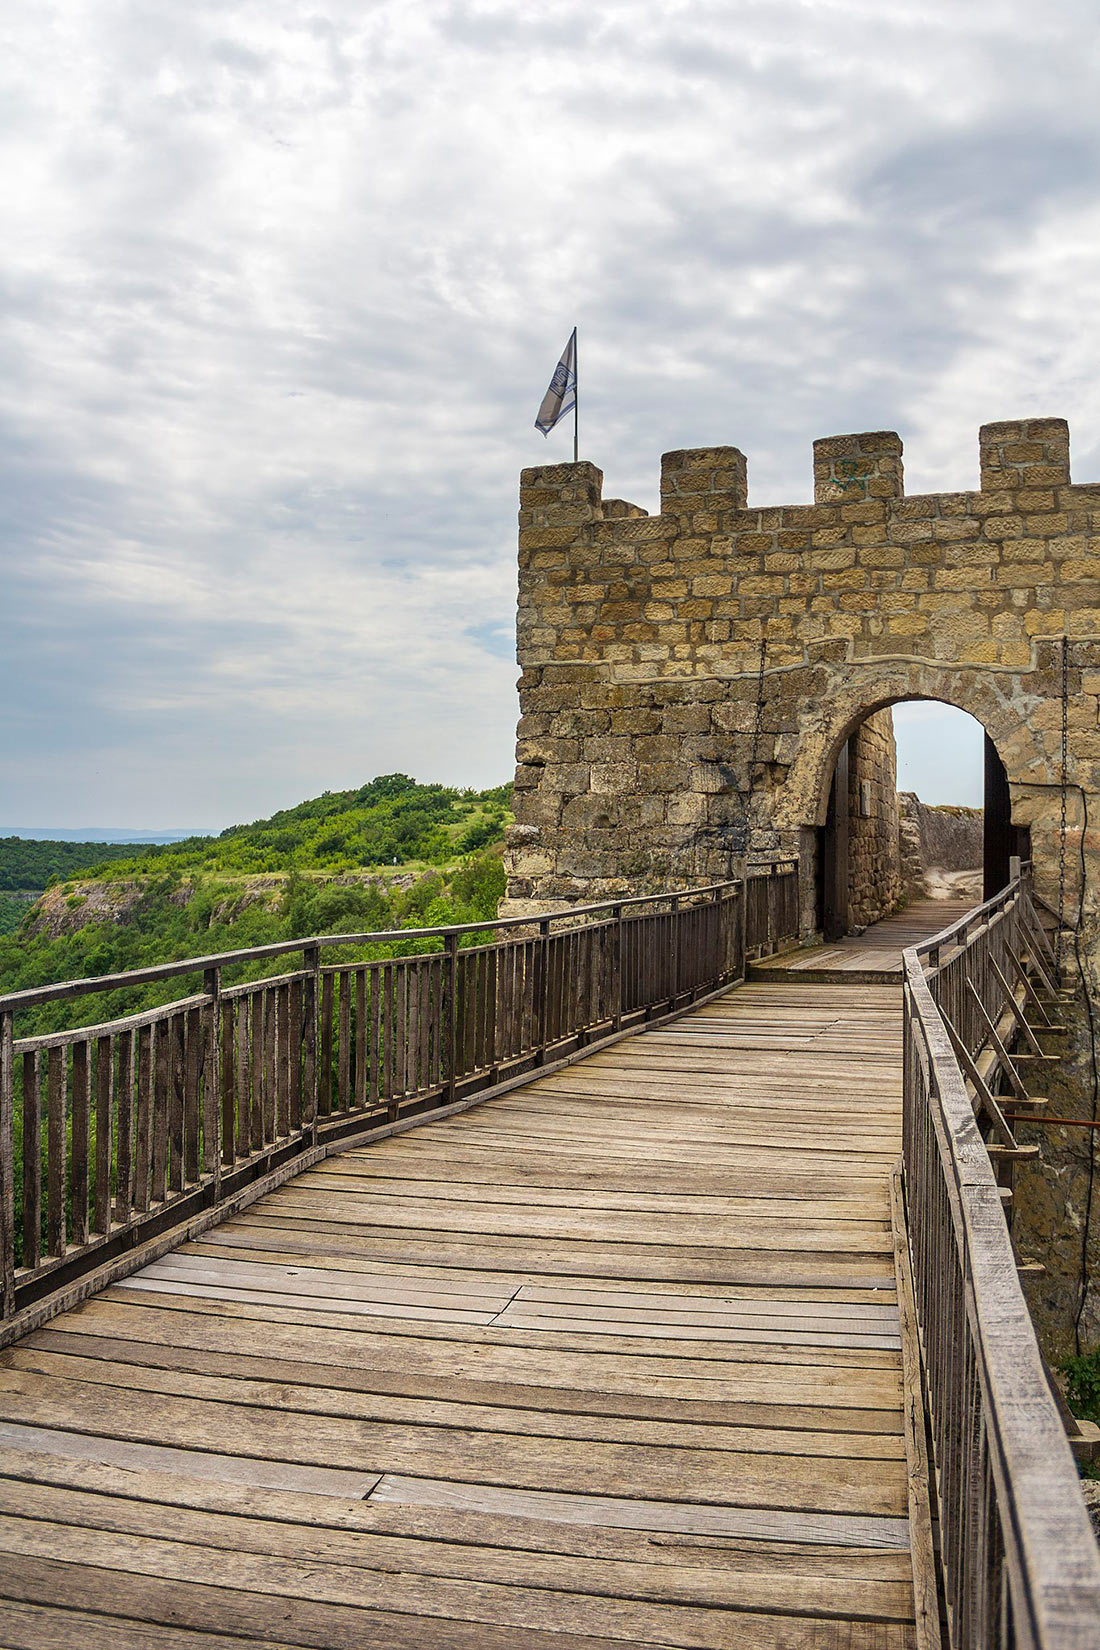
(450, 1014)
(311, 1027)
(492, 1008)
(617, 969)
(743, 924)
(542, 1003)
(213, 1123)
(674, 908)
(7, 1166)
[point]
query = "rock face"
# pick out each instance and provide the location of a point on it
(1052, 1194)
(69, 906)
(939, 847)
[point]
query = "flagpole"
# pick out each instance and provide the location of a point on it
(576, 414)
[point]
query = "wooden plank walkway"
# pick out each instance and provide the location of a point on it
(874, 954)
(613, 1357)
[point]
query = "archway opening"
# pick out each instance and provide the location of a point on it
(918, 809)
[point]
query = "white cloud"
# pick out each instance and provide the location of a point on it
(283, 287)
(941, 753)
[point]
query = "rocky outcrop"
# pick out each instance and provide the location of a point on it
(70, 906)
(941, 848)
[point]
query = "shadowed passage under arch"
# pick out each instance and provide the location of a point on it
(858, 873)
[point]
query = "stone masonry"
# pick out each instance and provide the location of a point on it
(874, 849)
(689, 678)
(651, 747)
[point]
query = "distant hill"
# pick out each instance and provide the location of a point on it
(30, 864)
(393, 820)
(95, 833)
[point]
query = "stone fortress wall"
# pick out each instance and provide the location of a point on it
(874, 836)
(653, 747)
(938, 845)
(689, 678)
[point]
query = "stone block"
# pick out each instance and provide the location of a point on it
(951, 529)
(613, 778)
(1010, 451)
(717, 474)
(848, 467)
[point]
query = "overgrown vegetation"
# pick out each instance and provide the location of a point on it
(13, 908)
(391, 821)
(25, 864)
(1082, 1378)
(1083, 1385)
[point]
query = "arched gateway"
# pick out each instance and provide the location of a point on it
(689, 679)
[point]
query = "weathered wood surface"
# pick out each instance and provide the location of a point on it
(613, 1358)
(1019, 1559)
(875, 952)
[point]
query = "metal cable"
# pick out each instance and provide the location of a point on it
(757, 725)
(1062, 833)
(758, 720)
(741, 832)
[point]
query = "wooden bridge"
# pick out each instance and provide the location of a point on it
(552, 1288)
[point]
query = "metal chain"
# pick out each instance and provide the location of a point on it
(757, 724)
(742, 833)
(1062, 832)
(759, 717)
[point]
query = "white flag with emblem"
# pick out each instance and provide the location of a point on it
(561, 397)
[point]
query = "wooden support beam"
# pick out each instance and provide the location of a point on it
(983, 1094)
(1048, 985)
(1014, 1008)
(1003, 1058)
(1048, 1025)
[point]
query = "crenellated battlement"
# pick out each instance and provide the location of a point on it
(850, 468)
(1028, 455)
(692, 590)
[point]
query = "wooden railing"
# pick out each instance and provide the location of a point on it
(114, 1133)
(1019, 1560)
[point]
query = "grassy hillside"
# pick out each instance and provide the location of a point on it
(392, 854)
(391, 821)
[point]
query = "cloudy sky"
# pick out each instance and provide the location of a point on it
(283, 284)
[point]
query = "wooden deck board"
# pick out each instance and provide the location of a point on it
(613, 1358)
(874, 953)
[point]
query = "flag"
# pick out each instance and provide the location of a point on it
(561, 397)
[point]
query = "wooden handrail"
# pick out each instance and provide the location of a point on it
(113, 1131)
(1020, 1563)
(34, 995)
